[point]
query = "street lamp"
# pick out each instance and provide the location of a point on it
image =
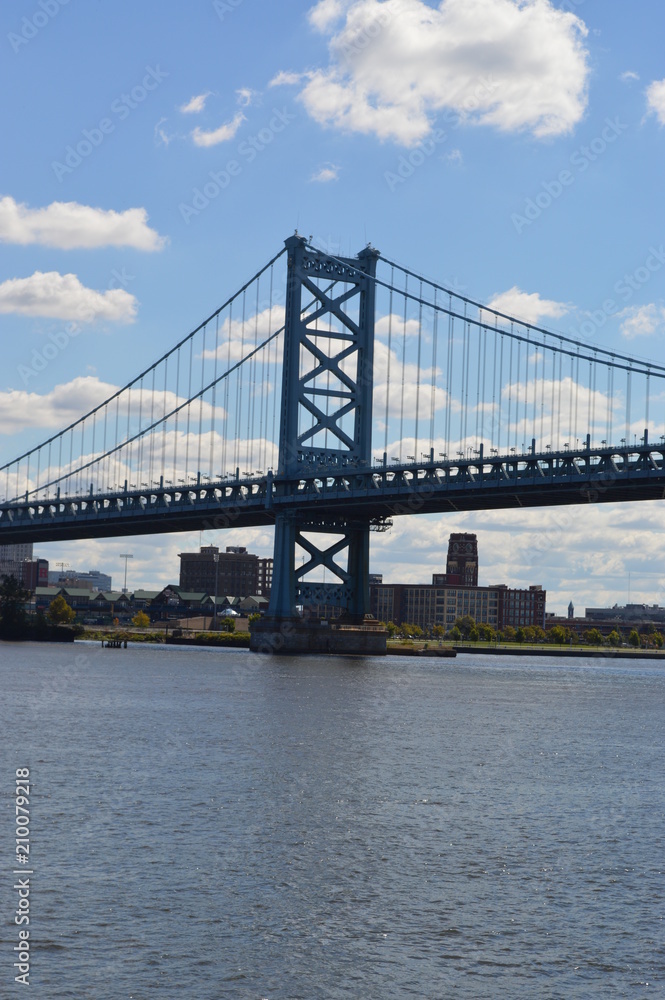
(126, 556)
(215, 556)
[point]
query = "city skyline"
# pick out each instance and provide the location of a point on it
(135, 204)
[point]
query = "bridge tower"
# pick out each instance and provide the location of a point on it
(326, 428)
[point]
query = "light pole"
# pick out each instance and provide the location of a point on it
(126, 556)
(216, 558)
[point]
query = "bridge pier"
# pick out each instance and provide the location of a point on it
(326, 425)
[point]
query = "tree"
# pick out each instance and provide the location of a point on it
(465, 624)
(455, 634)
(558, 634)
(141, 619)
(59, 612)
(12, 600)
(634, 638)
(486, 632)
(392, 628)
(474, 635)
(520, 635)
(614, 638)
(593, 637)
(439, 631)
(657, 640)
(509, 633)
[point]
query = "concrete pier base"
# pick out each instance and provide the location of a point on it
(294, 635)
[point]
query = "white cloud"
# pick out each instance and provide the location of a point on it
(61, 406)
(656, 99)
(329, 172)
(195, 104)
(245, 96)
(525, 306)
(66, 225)
(65, 403)
(221, 134)
(395, 65)
(285, 79)
(325, 13)
(62, 296)
(629, 76)
(454, 157)
(641, 321)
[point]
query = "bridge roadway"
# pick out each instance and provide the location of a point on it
(589, 475)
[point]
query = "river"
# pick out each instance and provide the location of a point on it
(212, 824)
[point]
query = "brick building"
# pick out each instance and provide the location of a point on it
(235, 571)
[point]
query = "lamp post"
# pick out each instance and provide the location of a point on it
(216, 558)
(126, 556)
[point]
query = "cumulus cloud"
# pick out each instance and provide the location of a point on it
(641, 321)
(328, 172)
(62, 296)
(221, 134)
(397, 64)
(68, 225)
(526, 306)
(325, 13)
(285, 78)
(656, 99)
(195, 104)
(20, 409)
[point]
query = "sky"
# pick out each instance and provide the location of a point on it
(157, 154)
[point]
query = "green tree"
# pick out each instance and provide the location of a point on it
(256, 617)
(521, 635)
(465, 624)
(141, 619)
(12, 600)
(658, 640)
(439, 631)
(455, 634)
(634, 638)
(59, 612)
(486, 632)
(614, 638)
(474, 634)
(392, 629)
(593, 637)
(226, 624)
(509, 633)
(558, 634)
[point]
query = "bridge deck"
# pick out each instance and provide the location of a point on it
(605, 475)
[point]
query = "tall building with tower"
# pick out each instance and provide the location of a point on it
(462, 562)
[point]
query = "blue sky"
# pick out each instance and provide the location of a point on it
(512, 150)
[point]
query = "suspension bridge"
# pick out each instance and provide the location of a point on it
(325, 397)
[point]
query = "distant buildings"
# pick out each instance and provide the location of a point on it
(455, 594)
(18, 561)
(90, 579)
(235, 571)
(631, 614)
